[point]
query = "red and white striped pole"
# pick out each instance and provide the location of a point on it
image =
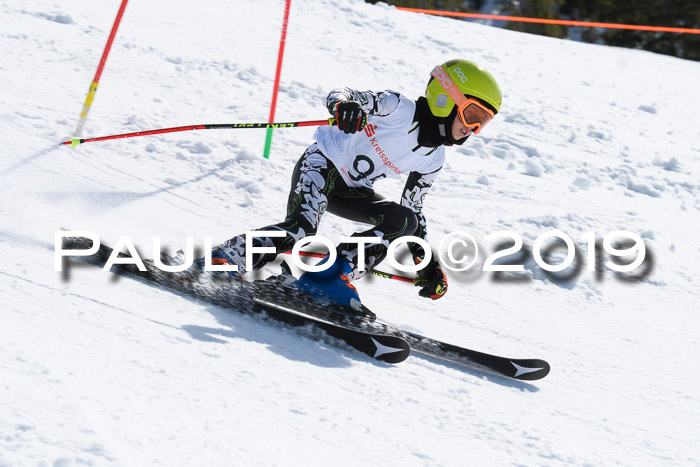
(100, 67)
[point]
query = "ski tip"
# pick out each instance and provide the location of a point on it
(530, 370)
(389, 349)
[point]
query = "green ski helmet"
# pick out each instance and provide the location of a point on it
(469, 78)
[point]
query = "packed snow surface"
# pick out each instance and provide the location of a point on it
(101, 370)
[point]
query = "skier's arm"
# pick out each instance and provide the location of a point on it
(350, 107)
(417, 186)
(431, 279)
(380, 104)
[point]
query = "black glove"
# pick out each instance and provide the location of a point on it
(350, 116)
(432, 280)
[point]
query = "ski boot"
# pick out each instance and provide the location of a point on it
(222, 257)
(333, 287)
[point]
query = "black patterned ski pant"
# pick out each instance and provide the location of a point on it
(318, 187)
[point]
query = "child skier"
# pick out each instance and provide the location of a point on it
(378, 135)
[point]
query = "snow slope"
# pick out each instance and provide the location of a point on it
(96, 370)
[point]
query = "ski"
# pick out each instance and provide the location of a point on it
(529, 369)
(382, 347)
(229, 293)
(275, 299)
(275, 291)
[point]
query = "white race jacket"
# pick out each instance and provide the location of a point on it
(388, 145)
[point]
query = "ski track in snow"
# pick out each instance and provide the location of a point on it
(101, 370)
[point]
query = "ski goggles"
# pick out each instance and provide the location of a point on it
(471, 112)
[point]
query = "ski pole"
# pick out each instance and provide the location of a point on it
(383, 274)
(219, 126)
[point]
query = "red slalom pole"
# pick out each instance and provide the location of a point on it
(280, 55)
(385, 275)
(217, 126)
(100, 67)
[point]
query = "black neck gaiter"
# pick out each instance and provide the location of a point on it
(434, 131)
